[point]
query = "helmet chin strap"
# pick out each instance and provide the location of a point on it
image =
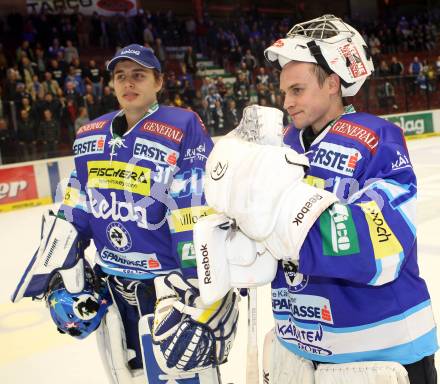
(315, 51)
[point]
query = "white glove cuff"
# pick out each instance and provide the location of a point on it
(303, 204)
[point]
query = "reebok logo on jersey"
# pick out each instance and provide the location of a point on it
(361, 134)
(155, 152)
(306, 209)
(336, 158)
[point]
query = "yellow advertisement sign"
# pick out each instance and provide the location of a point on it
(385, 242)
(182, 220)
(119, 175)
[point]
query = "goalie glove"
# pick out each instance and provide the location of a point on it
(187, 335)
(60, 250)
(261, 187)
(227, 258)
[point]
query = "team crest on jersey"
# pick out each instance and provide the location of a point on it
(295, 280)
(119, 237)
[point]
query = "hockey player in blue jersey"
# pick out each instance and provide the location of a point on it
(334, 206)
(136, 192)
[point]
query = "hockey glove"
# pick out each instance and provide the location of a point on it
(190, 335)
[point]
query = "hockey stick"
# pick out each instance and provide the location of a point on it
(252, 370)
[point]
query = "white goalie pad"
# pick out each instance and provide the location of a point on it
(365, 372)
(113, 350)
(286, 367)
(283, 366)
(59, 250)
(226, 258)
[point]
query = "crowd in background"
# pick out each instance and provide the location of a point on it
(51, 82)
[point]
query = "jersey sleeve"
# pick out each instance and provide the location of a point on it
(74, 207)
(369, 236)
(188, 202)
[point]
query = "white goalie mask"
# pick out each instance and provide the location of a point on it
(334, 45)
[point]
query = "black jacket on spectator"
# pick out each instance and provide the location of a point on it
(49, 130)
(26, 131)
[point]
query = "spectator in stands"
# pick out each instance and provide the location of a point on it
(383, 69)
(159, 51)
(148, 35)
(221, 86)
(49, 133)
(74, 78)
(108, 101)
(172, 85)
(27, 136)
(94, 77)
(53, 104)
(185, 76)
(219, 118)
(190, 60)
(212, 98)
(24, 50)
(40, 62)
(35, 87)
(55, 48)
(10, 87)
(93, 108)
(70, 52)
(50, 85)
(206, 116)
(20, 94)
(250, 60)
(82, 119)
(72, 94)
(26, 70)
(386, 95)
(58, 72)
(262, 77)
(415, 67)
(241, 89)
(188, 94)
(396, 67)
(232, 115)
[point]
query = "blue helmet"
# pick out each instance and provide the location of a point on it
(78, 314)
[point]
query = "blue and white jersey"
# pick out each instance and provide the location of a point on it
(356, 294)
(139, 195)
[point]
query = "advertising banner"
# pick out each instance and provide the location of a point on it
(86, 7)
(413, 123)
